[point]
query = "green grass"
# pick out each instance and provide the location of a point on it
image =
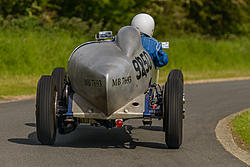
(201, 58)
(34, 52)
(17, 85)
(26, 54)
(241, 126)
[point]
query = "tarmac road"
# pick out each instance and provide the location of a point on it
(206, 104)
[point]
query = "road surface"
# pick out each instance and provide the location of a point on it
(88, 146)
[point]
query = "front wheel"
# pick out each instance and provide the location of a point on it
(46, 110)
(59, 76)
(173, 109)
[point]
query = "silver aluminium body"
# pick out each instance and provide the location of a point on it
(110, 78)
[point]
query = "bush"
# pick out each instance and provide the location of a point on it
(75, 26)
(217, 18)
(14, 7)
(214, 18)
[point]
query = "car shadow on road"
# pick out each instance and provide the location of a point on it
(153, 128)
(86, 136)
(30, 124)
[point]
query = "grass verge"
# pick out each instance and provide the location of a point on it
(201, 58)
(241, 130)
(203, 75)
(17, 85)
(26, 85)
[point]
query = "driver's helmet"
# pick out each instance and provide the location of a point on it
(145, 23)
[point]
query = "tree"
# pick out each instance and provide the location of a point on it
(217, 18)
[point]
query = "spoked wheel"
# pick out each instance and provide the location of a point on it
(59, 76)
(173, 109)
(46, 110)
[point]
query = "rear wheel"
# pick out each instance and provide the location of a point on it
(45, 110)
(173, 109)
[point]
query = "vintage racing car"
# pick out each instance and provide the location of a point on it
(108, 82)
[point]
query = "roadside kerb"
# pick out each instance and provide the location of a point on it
(224, 136)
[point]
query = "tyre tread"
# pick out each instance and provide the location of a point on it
(173, 109)
(45, 110)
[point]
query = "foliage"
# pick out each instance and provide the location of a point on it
(111, 14)
(215, 18)
(74, 26)
(14, 7)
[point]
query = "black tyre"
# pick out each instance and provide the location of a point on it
(59, 76)
(45, 110)
(173, 109)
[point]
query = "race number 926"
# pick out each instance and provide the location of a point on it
(142, 65)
